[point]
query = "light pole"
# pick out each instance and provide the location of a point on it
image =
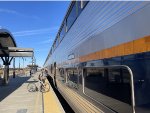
(34, 61)
(19, 64)
(23, 61)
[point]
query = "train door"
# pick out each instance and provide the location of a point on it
(51, 68)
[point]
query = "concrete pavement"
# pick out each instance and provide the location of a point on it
(15, 98)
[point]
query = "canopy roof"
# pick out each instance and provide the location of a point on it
(20, 52)
(8, 46)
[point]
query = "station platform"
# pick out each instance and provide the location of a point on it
(15, 98)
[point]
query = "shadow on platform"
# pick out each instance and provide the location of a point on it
(14, 83)
(33, 81)
(63, 102)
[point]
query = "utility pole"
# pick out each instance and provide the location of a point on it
(23, 61)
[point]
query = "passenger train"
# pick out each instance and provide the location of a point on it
(100, 58)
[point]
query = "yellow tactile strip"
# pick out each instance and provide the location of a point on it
(51, 102)
(36, 103)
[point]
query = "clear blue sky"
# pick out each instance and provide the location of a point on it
(33, 24)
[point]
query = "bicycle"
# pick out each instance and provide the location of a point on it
(33, 88)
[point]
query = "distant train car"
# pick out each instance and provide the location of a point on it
(100, 59)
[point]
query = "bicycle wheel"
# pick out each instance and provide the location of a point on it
(45, 87)
(31, 87)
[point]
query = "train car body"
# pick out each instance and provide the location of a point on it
(100, 59)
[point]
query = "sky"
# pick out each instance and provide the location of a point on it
(33, 25)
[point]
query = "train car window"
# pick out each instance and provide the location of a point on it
(141, 72)
(114, 61)
(72, 16)
(65, 26)
(57, 41)
(54, 46)
(62, 33)
(52, 49)
(80, 85)
(73, 79)
(62, 76)
(147, 55)
(139, 56)
(80, 77)
(115, 76)
(110, 87)
(84, 3)
(79, 9)
(129, 57)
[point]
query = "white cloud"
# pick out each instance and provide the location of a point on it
(46, 41)
(41, 50)
(18, 14)
(35, 32)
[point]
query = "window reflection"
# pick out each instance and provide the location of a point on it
(110, 86)
(73, 79)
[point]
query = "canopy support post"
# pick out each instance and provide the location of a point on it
(6, 62)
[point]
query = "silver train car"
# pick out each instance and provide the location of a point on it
(100, 58)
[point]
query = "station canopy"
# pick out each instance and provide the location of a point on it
(8, 46)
